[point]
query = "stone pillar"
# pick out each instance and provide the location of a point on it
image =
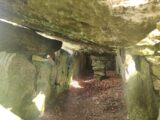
(139, 92)
(99, 66)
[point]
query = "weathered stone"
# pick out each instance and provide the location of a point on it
(149, 46)
(97, 77)
(155, 34)
(99, 66)
(29, 93)
(101, 73)
(25, 41)
(158, 25)
(156, 84)
(46, 60)
(43, 83)
(82, 20)
(148, 41)
(156, 70)
(64, 66)
(157, 48)
(101, 58)
(17, 78)
(141, 50)
(141, 99)
(155, 60)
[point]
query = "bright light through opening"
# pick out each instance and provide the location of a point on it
(39, 101)
(75, 84)
(6, 114)
(127, 3)
(130, 67)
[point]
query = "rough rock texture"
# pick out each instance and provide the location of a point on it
(26, 87)
(43, 78)
(149, 46)
(96, 26)
(140, 96)
(139, 67)
(99, 67)
(93, 22)
(26, 84)
(17, 77)
(64, 71)
(25, 41)
(101, 64)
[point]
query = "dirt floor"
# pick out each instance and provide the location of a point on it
(90, 99)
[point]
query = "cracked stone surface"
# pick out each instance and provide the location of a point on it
(93, 22)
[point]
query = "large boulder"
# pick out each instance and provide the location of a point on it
(141, 98)
(25, 41)
(17, 83)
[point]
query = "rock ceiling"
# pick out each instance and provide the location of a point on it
(94, 24)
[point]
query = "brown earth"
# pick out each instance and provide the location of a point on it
(95, 100)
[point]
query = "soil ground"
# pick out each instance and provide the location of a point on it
(92, 100)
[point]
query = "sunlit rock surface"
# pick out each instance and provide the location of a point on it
(149, 46)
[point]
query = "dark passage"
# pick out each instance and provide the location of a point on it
(90, 99)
